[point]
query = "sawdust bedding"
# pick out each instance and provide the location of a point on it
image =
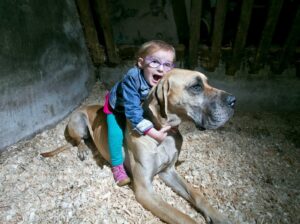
(248, 169)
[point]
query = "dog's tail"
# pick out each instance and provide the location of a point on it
(56, 151)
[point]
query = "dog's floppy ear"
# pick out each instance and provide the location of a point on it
(161, 95)
(159, 104)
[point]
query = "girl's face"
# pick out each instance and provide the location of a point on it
(156, 65)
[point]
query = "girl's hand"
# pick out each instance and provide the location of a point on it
(159, 135)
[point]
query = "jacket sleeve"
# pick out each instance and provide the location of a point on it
(132, 105)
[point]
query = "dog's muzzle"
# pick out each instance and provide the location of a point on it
(231, 100)
(216, 113)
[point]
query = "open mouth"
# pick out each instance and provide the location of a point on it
(157, 77)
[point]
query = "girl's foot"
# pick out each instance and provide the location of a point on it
(120, 175)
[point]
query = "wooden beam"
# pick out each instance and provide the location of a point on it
(241, 36)
(267, 35)
(96, 50)
(291, 43)
(195, 19)
(220, 15)
(101, 7)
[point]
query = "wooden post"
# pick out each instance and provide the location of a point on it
(195, 19)
(96, 50)
(182, 26)
(241, 36)
(180, 17)
(290, 43)
(267, 35)
(220, 15)
(101, 7)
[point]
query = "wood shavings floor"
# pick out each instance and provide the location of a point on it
(248, 169)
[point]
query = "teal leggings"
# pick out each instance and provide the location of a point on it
(115, 140)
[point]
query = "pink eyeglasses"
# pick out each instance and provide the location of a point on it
(155, 63)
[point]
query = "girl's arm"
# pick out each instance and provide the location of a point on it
(134, 112)
(132, 105)
(158, 135)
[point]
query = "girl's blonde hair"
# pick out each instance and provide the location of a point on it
(152, 46)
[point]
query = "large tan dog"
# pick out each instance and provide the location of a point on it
(180, 95)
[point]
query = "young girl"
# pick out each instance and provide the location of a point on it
(154, 59)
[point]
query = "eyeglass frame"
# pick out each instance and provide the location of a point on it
(166, 67)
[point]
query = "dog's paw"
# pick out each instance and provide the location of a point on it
(208, 219)
(82, 153)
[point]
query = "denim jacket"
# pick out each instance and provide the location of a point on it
(127, 95)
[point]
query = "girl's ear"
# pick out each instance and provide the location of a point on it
(140, 62)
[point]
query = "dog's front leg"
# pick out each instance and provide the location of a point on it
(147, 197)
(179, 185)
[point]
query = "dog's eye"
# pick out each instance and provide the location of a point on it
(196, 88)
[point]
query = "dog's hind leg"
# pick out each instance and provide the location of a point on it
(77, 132)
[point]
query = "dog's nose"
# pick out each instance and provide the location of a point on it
(231, 100)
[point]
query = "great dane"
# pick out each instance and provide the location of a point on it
(181, 95)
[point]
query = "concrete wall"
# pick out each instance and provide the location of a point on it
(45, 71)
(262, 92)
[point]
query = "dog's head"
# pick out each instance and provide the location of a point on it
(186, 95)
